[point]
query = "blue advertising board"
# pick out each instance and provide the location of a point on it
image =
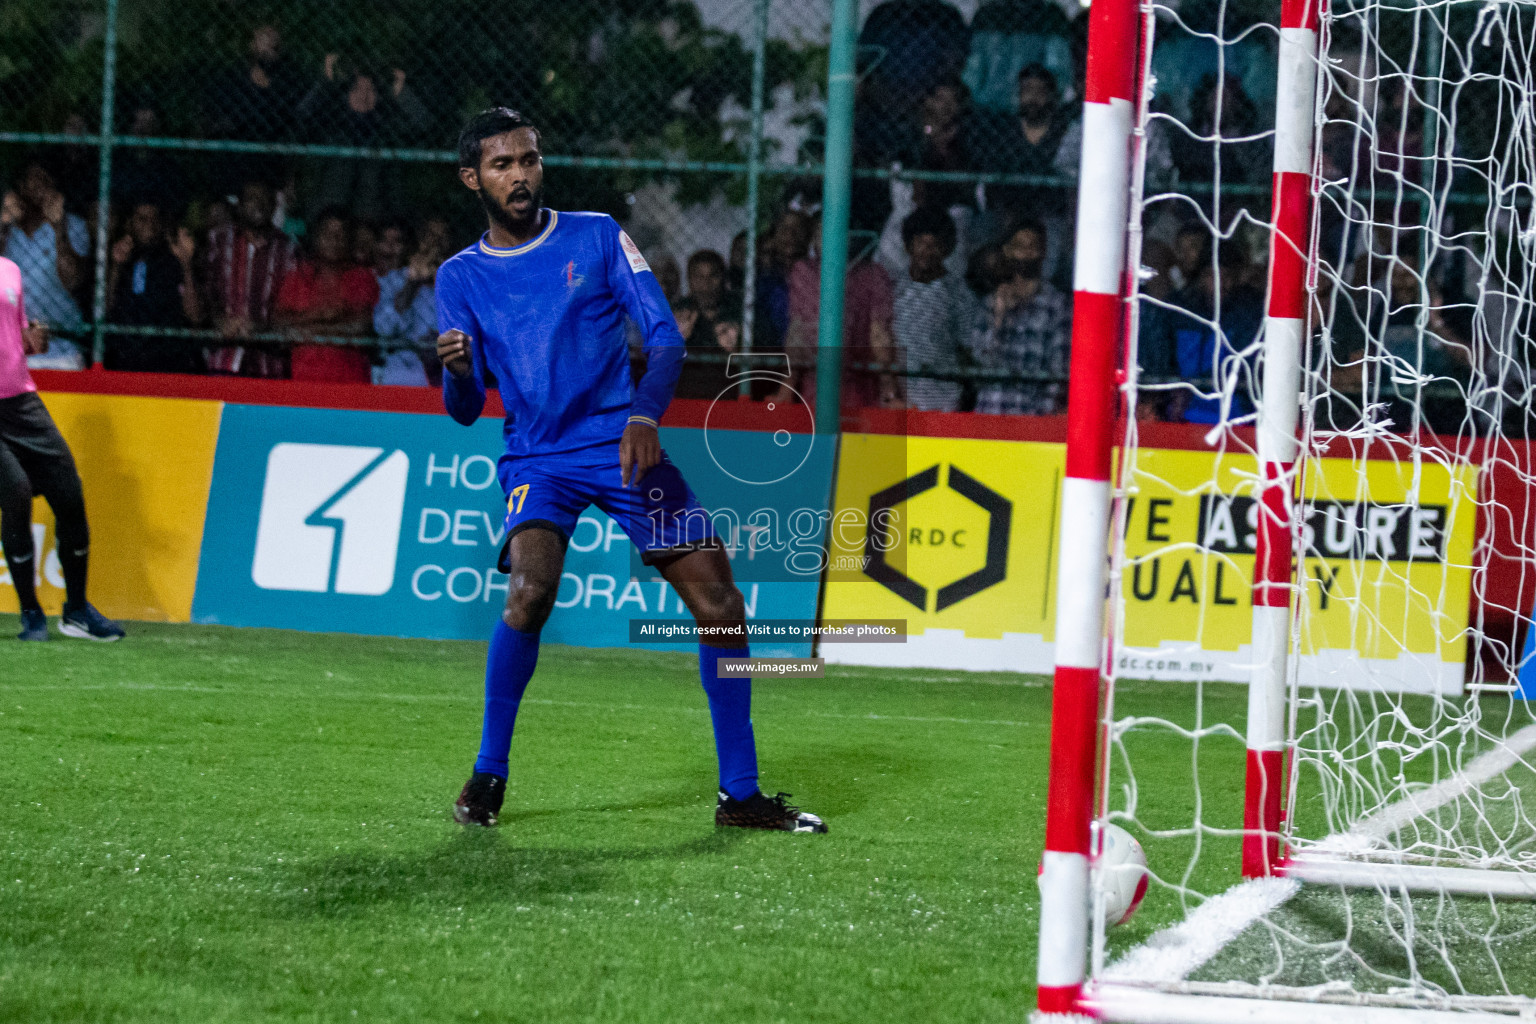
(389, 524)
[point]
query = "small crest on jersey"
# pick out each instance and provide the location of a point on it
(11, 295)
(632, 253)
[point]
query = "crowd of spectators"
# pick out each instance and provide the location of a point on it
(230, 291)
(957, 294)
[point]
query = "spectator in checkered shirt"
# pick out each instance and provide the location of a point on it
(244, 264)
(1025, 331)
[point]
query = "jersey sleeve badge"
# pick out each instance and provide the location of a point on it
(632, 253)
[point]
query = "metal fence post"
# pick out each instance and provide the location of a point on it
(754, 176)
(836, 204)
(104, 185)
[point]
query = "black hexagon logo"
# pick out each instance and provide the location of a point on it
(1000, 518)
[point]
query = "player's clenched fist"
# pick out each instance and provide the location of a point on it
(453, 352)
(639, 452)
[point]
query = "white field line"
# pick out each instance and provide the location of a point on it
(1393, 818)
(1171, 954)
(468, 699)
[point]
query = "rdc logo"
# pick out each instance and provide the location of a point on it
(330, 519)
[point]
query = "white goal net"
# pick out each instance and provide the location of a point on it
(1401, 880)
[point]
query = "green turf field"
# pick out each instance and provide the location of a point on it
(1461, 945)
(209, 824)
(1365, 940)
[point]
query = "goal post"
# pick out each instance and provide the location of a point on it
(1278, 409)
(1098, 315)
(1369, 425)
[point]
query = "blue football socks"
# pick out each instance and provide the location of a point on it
(508, 667)
(730, 708)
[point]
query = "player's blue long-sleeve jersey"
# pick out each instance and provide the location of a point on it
(547, 320)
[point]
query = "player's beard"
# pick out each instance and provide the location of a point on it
(505, 217)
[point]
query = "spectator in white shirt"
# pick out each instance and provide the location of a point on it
(32, 223)
(932, 310)
(406, 314)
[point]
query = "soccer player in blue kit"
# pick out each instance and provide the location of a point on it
(538, 303)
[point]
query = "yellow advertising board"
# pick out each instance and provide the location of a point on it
(958, 537)
(1382, 594)
(146, 464)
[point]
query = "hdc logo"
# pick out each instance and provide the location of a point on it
(312, 493)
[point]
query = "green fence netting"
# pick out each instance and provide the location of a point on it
(222, 137)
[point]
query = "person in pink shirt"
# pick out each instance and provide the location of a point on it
(34, 459)
(867, 314)
(18, 337)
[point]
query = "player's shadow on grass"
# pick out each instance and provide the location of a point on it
(481, 867)
(682, 798)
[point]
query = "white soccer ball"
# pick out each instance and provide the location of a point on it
(1120, 872)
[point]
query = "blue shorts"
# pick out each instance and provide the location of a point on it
(660, 514)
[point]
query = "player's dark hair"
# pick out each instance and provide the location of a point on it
(929, 220)
(488, 124)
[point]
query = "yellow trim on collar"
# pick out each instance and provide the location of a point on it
(491, 250)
